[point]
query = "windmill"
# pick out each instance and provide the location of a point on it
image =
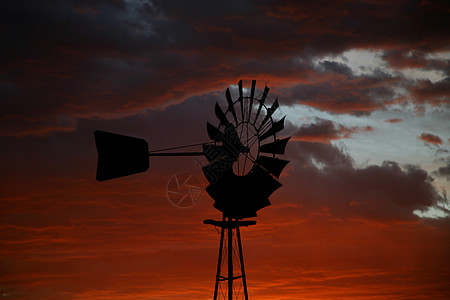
(242, 172)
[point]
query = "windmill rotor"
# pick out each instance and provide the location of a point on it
(243, 167)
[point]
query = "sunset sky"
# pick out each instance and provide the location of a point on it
(363, 212)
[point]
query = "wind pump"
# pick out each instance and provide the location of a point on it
(242, 171)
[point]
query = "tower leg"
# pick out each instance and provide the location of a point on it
(230, 260)
(219, 263)
(241, 258)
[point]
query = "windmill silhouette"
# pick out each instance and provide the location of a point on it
(242, 171)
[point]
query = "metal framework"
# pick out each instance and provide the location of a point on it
(230, 255)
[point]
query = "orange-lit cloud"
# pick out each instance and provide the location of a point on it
(430, 138)
(395, 120)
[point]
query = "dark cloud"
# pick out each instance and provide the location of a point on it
(401, 59)
(432, 92)
(366, 24)
(324, 176)
(325, 131)
(336, 68)
(430, 138)
(69, 60)
(359, 95)
(415, 59)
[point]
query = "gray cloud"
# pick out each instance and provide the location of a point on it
(443, 171)
(324, 176)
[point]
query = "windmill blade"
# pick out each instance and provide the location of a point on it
(241, 98)
(252, 95)
(213, 132)
(221, 115)
(261, 103)
(276, 147)
(230, 105)
(252, 91)
(241, 92)
(270, 112)
(120, 155)
(268, 185)
(273, 165)
(276, 127)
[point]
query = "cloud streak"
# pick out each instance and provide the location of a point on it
(325, 131)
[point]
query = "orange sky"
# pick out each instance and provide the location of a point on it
(123, 240)
(363, 211)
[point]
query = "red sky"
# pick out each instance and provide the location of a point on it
(363, 211)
